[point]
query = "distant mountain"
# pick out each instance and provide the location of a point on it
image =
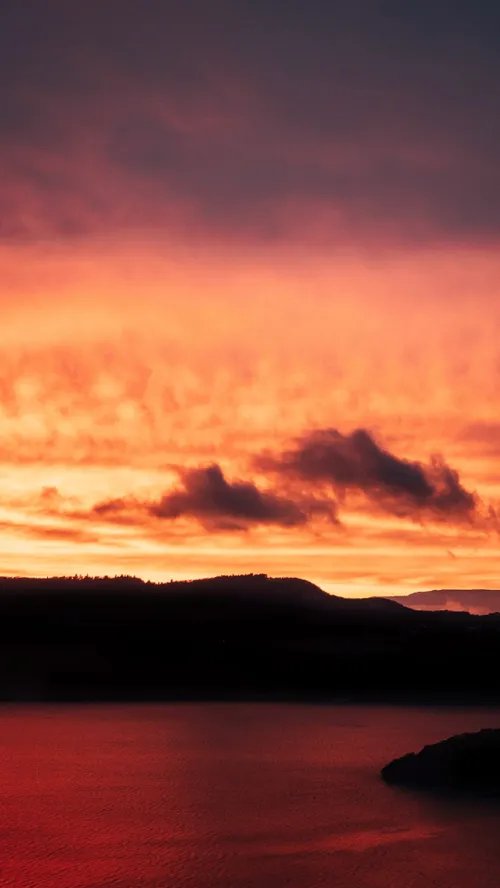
(241, 637)
(473, 601)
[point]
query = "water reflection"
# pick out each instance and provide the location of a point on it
(233, 796)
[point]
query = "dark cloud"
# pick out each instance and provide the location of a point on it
(248, 117)
(355, 462)
(207, 494)
(218, 504)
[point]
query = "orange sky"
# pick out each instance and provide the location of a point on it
(220, 238)
(119, 367)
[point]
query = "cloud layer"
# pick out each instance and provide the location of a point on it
(339, 122)
(221, 224)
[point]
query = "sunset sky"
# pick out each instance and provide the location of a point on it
(250, 290)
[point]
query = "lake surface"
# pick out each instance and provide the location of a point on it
(233, 796)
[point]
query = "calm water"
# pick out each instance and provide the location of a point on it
(234, 796)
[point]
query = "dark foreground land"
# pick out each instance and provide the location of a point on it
(464, 763)
(235, 638)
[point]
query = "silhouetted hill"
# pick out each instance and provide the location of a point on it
(246, 637)
(474, 601)
(465, 763)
